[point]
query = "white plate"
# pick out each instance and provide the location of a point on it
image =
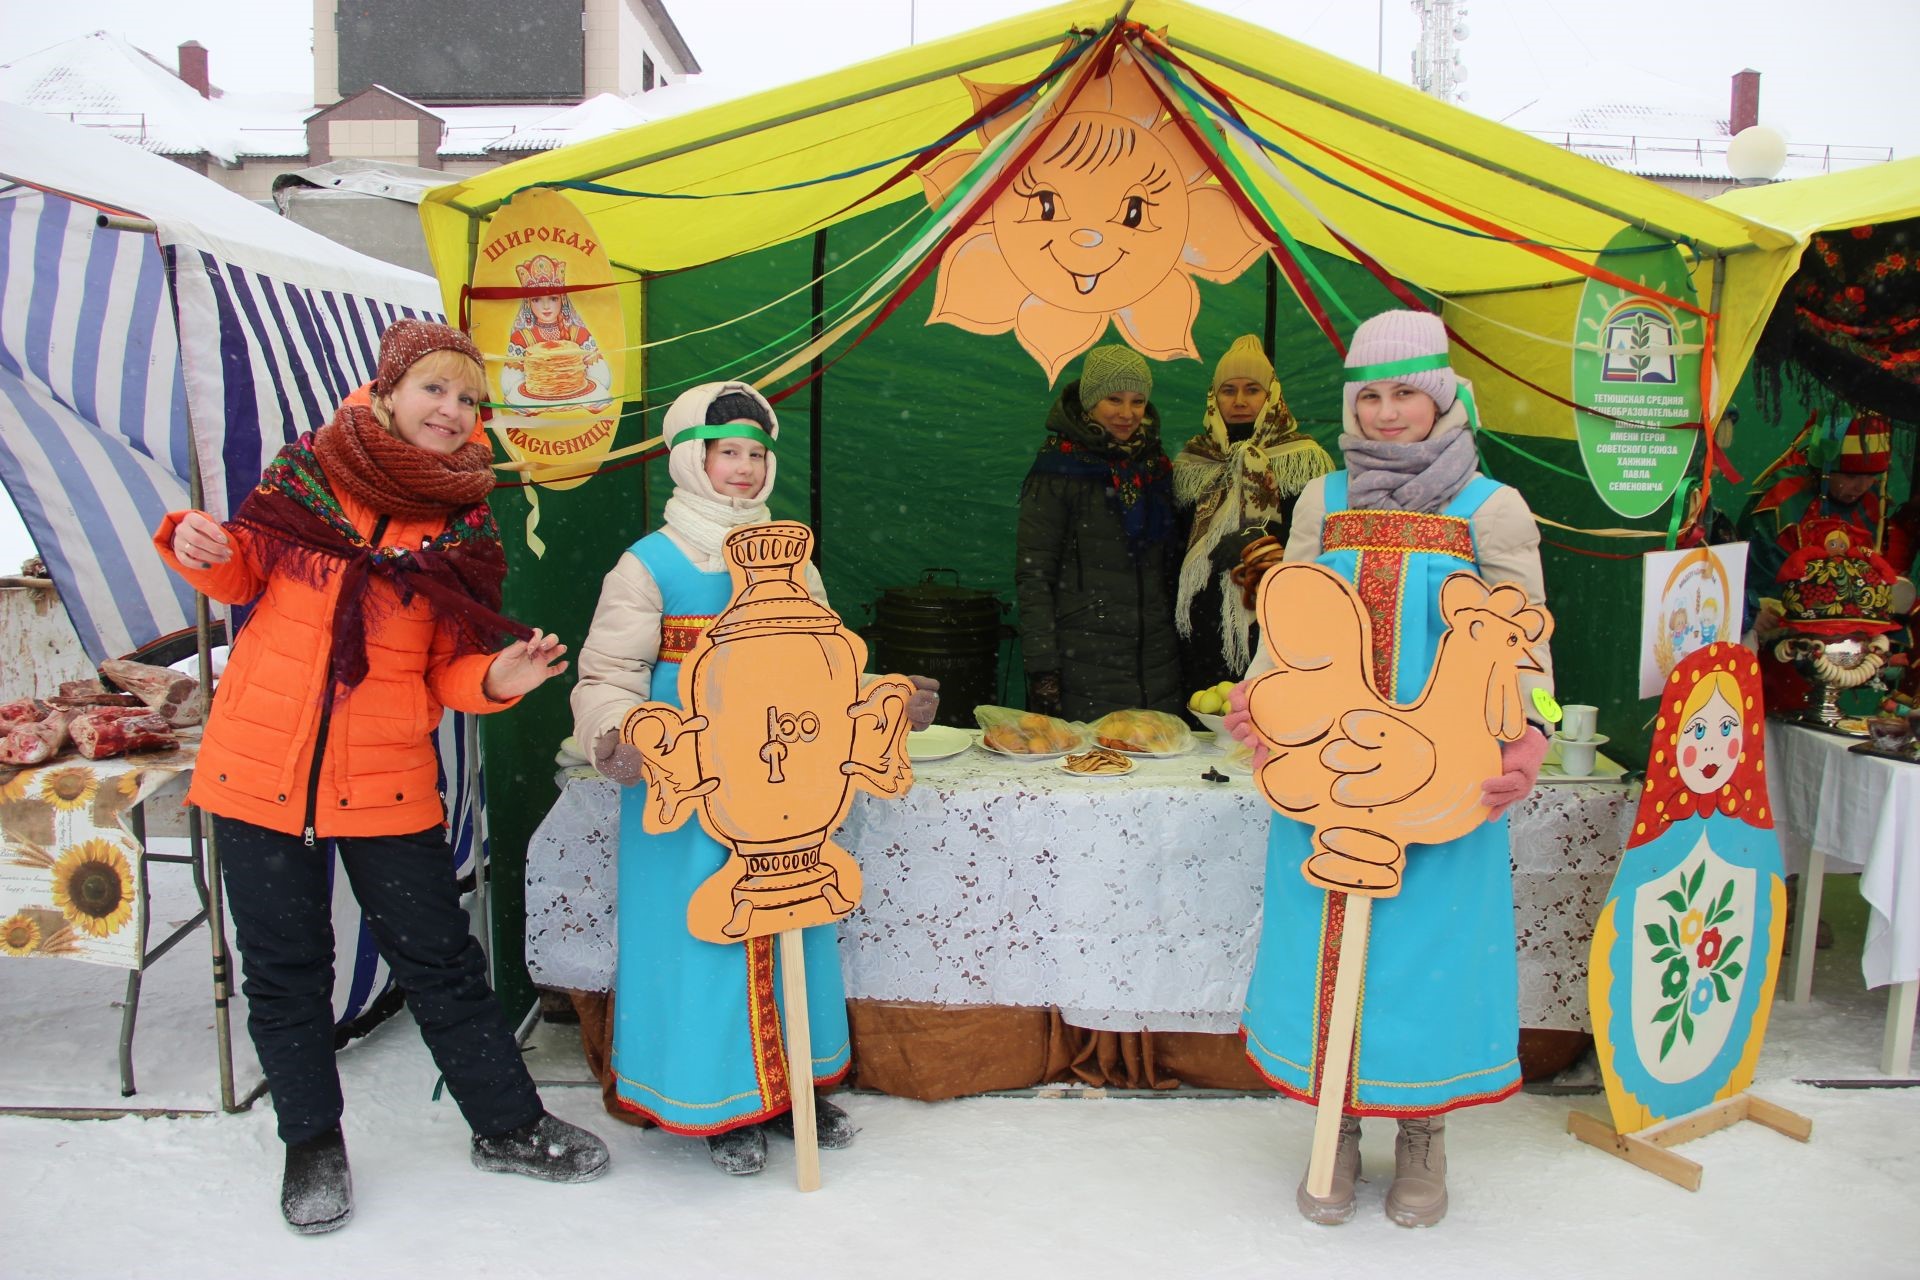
(1155, 755)
(937, 742)
(1029, 755)
(1062, 766)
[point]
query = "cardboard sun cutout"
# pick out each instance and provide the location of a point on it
(777, 732)
(1686, 951)
(1109, 220)
(1373, 776)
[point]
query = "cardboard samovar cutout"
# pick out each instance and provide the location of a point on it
(1370, 775)
(1686, 951)
(777, 733)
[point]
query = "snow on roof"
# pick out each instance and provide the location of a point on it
(601, 114)
(102, 82)
(1642, 124)
(191, 210)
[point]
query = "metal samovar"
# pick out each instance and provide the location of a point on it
(776, 733)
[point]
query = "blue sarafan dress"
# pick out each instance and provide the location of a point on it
(699, 1045)
(1439, 1021)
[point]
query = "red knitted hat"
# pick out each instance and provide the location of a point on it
(405, 341)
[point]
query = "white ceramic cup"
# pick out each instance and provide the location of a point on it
(1576, 758)
(1577, 721)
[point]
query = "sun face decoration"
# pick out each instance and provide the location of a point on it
(1109, 220)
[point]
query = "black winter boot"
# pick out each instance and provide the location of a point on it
(832, 1127)
(549, 1149)
(739, 1151)
(316, 1188)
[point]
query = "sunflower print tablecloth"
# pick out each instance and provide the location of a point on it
(69, 861)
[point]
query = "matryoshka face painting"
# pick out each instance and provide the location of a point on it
(1108, 219)
(1709, 746)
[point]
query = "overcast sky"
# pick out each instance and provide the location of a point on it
(1832, 73)
(1839, 73)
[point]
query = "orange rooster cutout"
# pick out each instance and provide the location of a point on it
(1373, 776)
(1109, 220)
(777, 733)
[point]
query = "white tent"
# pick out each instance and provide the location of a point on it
(151, 320)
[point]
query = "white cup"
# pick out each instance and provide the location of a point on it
(1577, 721)
(1576, 758)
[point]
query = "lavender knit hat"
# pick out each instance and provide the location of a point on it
(1402, 346)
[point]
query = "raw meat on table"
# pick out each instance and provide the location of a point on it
(34, 743)
(167, 691)
(114, 732)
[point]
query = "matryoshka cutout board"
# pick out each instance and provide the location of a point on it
(1109, 221)
(779, 729)
(1687, 949)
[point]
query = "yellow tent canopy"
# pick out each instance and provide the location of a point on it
(1413, 182)
(1883, 193)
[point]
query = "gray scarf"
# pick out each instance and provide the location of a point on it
(1424, 476)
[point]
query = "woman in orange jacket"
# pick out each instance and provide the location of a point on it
(375, 569)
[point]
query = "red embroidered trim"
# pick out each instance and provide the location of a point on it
(1398, 531)
(703, 1130)
(679, 632)
(763, 1023)
(1384, 540)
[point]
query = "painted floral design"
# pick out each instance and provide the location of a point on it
(93, 888)
(1693, 985)
(68, 789)
(19, 934)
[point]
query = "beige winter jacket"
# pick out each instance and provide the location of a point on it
(623, 643)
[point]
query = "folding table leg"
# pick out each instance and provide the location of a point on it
(1807, 930)
(1896, 1049)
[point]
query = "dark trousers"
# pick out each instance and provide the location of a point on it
(282, 908)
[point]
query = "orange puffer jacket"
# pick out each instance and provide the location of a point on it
(378, 774)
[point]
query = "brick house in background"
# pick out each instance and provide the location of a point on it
(458, 103)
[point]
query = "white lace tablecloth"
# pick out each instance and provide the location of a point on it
(1128, 903)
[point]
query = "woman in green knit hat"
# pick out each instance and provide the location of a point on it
(1098, 548)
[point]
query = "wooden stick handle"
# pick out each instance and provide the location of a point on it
(1334, 1068)
(793, 992)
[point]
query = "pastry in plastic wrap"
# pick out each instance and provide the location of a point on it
(1154, 733)
(1027, 733)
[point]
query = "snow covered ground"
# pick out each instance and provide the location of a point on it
(1184, 1186)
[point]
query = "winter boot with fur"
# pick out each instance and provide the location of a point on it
(1338, 1206)
(316, 1189)
(832, 1128)
(549, 1149)
(1418, 1196)
(739, 1151)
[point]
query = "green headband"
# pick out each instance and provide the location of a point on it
(1391, 369)
(729, 431)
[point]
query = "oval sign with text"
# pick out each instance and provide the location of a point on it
(550, 356)
(1638, 361)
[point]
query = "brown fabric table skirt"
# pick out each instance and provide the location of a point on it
(932, 1052)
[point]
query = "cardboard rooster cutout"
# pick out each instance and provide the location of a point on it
(777, 733)
(1370, 775)
(1685, 954)
(1109, 219)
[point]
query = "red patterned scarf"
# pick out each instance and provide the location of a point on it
(305, 534)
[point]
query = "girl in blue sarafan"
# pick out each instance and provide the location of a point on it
(1439, 1016)
(699, 1043)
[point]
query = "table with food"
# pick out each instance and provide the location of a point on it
(1049, 892)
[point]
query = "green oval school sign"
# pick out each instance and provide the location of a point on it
(1637, 362)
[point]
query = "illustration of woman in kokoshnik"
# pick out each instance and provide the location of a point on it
(551, 353)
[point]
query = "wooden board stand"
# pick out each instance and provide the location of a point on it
(1648, 1147)
(1335, 1068)
(793, 990)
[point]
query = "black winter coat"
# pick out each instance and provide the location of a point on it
(1090, 609)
